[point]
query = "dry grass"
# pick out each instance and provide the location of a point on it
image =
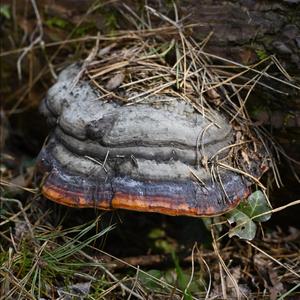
(42, 260)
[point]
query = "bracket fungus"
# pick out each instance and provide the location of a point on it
(157, 155)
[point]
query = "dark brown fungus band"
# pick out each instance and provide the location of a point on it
(141, 157)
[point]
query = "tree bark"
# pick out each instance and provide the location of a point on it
(248, 30)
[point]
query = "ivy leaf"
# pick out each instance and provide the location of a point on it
(255, 205)
(244, 227)
(243, 218)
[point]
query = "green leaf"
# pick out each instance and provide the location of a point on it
(212, 221)
(244, 227)
(5, 11)
(182, 278)
(149, 281)
(255, 205)
(57, 22)
(246, 214)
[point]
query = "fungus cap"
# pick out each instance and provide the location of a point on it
(159, 155)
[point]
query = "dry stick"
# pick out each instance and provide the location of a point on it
(272, 258)
(209, 275)
(124, 287)
(136, 16)
(107, 93)
(152, 91)
(112, 67)
(141, 271)
(250, 69)
(150, 260)
(201, 91)
(202, 110)
(220, 180)
(27, 90)
(13, 240)
(85, 64)
(278, 149)
(221, 261)
(53, 44)
(281, 68)
(200, 138)
(10, 184)
(22, 209)
(192, 274)
(228, 147)
(16, 287)
(23, 282)
(184, 63)
(274, 168)
(274, 210)
(14, 216)
(30, 71)
(144, 79)
(230, 78)
(38, 39)
(134, 283)
(196, 176)
(223, 285)
(225, 166)
(108, 290)
(161, 16)
(120, 35)
(256, 80)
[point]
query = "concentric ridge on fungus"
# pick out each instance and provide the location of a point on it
(107, 155)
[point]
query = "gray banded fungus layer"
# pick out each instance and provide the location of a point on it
(142, 157)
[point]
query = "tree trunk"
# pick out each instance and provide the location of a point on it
(248, 30)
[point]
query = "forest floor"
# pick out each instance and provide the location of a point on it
(48, 251)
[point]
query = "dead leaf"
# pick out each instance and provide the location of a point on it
(76, 291)
(214, 97)
(276, 287)
(213, 94)
(106, 50)
(245, 157)
(238, 136)
(115, 81)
